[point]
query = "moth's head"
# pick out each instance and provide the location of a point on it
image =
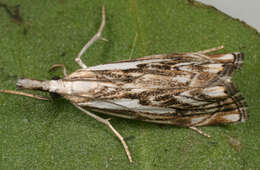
(26, 83)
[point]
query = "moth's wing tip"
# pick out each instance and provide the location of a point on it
(239, 100)
(229, 67)
(241, 106)
(238, 59)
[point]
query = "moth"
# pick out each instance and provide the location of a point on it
(183, 89)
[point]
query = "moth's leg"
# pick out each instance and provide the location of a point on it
(24, 94)
(106, 122)
(210, 50)
(199, 131)
(57, 66)
(90, 42)
(202, 54)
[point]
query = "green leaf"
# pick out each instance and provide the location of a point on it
(55, 135)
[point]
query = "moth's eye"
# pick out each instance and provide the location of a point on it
(55, 78)
(54, 95)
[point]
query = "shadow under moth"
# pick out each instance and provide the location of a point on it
(183, 89)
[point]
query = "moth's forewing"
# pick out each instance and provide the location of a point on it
(181, 89)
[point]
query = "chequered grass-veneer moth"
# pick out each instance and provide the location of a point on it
(184, 89)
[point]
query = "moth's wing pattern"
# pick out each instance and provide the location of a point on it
(190, 89)
(194, 107)
(231, 62)
(200, 68)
